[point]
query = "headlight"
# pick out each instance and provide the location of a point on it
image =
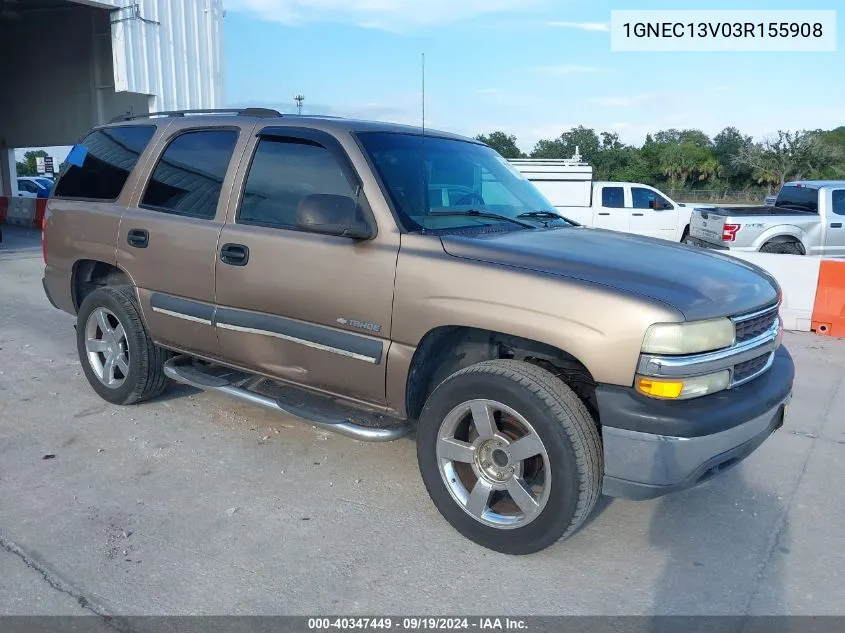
(690, 337)
(683, 388)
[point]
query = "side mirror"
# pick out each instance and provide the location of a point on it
(330, 214)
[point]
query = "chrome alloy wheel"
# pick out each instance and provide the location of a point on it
(494, 464)
(107, 347)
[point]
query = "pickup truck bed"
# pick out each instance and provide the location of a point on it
(808, 218)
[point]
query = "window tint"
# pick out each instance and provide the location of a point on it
(109, 156)
(644, 198)
(282, 173)
(799, 198)
(189, 175)
(613, 197)
(434, 182)
(28, 186)
(839, 201)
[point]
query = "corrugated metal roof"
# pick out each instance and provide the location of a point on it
(170, 50)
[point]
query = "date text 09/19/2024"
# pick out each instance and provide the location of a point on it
(418, 624)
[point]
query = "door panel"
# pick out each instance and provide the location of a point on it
(168, 241)
(177, 267)
(610, 211)
(307, 308)
(834, 243)
(661, 223)
(310, 309)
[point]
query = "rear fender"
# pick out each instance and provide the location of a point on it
(780, 231)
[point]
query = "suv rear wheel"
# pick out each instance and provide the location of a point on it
(119, 359)
(510, 456)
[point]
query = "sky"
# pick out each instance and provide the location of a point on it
(532, 68)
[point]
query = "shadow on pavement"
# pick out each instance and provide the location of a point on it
(720, 540)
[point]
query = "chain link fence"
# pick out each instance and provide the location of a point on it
(717, 196)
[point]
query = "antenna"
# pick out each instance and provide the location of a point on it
(423, 167)
(299, 99)
(423, 93)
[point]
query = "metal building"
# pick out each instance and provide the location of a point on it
(68, 65)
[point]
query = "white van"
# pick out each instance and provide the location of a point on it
(619, 206)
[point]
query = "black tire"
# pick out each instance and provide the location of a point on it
(145, 377)
(685, 235)
(566, 429)
(784, 248)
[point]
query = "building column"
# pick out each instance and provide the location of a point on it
(8, 173)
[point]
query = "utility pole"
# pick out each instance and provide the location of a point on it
(299, 99)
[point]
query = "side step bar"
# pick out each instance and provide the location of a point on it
(232, 383)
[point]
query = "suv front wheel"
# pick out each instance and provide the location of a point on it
(510, 456)
(119, 359)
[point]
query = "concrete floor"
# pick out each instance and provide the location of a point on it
(195, 504)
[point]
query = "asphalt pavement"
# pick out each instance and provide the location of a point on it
(195, 504)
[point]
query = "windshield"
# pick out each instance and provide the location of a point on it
(799, 198)
(429, 177)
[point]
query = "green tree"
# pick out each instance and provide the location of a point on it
(728, 144)
(28, 166)
(503, 143)
(581, 139)
(790, 156)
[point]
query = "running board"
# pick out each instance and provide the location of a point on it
(367, 427)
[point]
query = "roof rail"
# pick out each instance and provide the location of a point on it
(256, 112)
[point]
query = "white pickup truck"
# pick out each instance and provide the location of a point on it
(619, 206)
(807, 218)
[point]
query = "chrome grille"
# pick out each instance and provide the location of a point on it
(754, 325)
(743, 372)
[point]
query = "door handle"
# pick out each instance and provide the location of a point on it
(234, 254)
(638, 214)
(836, 225)
(604, 214)
(139, 238)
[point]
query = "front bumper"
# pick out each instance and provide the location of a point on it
(654, 447)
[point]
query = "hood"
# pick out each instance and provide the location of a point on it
(699, 284)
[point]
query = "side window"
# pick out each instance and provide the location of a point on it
(839, 201)
(613, 197)
(26, 185)
(189, 175)
(646, 199)
(97, 168)
(283, 172)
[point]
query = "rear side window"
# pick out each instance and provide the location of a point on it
(189, 175)
(613, 197)
(282, 173)
(107, 156)
(839, 201)
(798, 198)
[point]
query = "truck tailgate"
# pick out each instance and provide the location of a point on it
(707, 225)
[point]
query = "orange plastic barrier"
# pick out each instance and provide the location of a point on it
(829, 307)
(40, 210)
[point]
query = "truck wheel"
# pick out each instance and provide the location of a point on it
(510, 456)
(119, 359)
(785, 248)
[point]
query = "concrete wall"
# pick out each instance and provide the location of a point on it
(56, 67)
(65, 69)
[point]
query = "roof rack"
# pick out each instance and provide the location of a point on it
(256, 112)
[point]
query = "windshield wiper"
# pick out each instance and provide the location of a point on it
(477, 213)
(546, 214)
